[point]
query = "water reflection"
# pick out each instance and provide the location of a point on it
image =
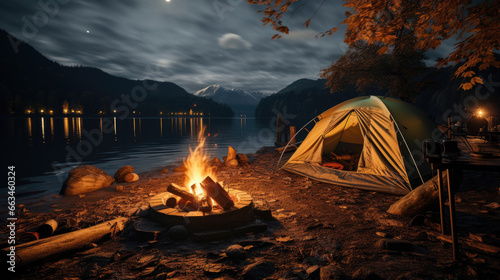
(52, 129)
(30, 131)
(79, 129)
(43, 129)
(66, 129)
(114, 126)
(134, 127)
(161, 127)
(70, 129)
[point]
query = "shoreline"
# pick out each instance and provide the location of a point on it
(316, 226)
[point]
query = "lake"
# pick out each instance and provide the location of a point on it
(44, 149)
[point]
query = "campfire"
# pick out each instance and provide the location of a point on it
(201, 191)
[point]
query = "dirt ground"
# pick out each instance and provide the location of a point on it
(318, 231)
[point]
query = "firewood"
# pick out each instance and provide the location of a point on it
(59, 244)
(215, 191)
(172, 188)
(205, 205)
(171, 202)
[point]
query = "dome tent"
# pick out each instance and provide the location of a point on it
(383, 134)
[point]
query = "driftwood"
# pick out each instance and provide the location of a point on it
(172, 188)
(55, 245)
(420, 199)
(215, 191)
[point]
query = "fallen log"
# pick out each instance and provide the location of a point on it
(172, 188)
(58, 244)
(469, 242)
(420, 199)
(215, 191)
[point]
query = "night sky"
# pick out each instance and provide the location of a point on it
(193, 43)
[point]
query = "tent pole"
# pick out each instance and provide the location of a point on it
(304, 127)
(408, 148)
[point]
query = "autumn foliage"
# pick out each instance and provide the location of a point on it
(475, 25)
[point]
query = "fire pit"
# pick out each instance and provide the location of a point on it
(237, 215)
(201, 203)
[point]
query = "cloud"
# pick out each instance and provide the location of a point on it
(233, 41)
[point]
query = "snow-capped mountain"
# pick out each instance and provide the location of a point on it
(241, 101)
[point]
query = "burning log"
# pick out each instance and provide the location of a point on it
(215, 191)
(205, 205)
(172, 188)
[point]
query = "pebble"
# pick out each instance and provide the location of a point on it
(119, 188)
(236, 252)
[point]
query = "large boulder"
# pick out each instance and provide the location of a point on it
(84, 179)
(231, 153)
(122, 172)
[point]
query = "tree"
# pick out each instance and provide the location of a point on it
(379, 23)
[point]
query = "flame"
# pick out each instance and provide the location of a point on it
(198, 166)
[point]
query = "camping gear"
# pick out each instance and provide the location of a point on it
(380, 140)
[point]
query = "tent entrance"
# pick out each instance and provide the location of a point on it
(343, 144)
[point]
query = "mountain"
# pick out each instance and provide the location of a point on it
(241, 101)
(305, 98)
(30, 81)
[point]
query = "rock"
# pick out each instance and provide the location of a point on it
(395, 245)
(391, 222)
(382, 234)
(131, 177)
(418, 220)
(181, 168)
(215, 160)
(119, 188)
(164, 171)
(236, 252)
(313, 272)
(120, 173)
(258, 270)
(213, 269)
(84, 179)
(231, 153)
(242, 158)
(329, 272)
(232, 163)
(178, 233)
(493, 205)
(365, 274)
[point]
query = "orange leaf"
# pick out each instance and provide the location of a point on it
(308, 22)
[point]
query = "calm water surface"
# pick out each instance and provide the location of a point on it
(44, 149)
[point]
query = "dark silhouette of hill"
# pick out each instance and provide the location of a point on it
(308, 98)
(28, 80)
(305, 98)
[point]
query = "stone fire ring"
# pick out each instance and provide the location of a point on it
(240, 214)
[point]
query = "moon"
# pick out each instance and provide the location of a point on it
(167, 0)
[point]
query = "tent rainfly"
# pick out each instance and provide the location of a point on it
(370, 142)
